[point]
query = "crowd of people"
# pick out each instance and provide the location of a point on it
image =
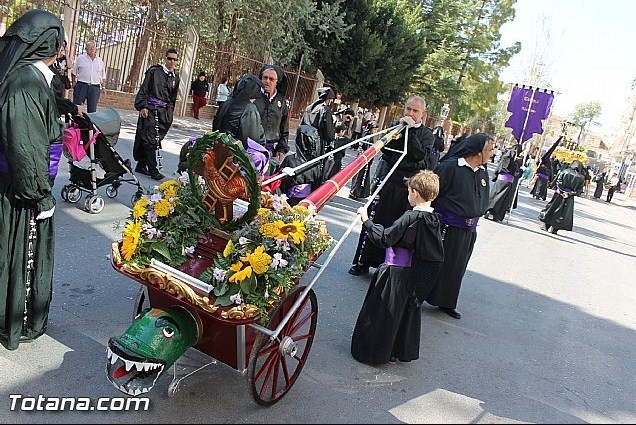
(418, 232)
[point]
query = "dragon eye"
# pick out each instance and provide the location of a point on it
(167, 332)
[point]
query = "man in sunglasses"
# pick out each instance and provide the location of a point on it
(155, 102)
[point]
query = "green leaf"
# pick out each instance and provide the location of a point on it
(161, 249)
(248, 286)
(221, 289)
(223, 301)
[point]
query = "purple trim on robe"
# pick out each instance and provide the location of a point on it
(454, 220)
(259, 155)
(543, 176)
(394, 256)
(299, 190)
(508, 178)
(4, 165)
(54, 158)
(157, 102)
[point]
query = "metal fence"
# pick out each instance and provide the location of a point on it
(128, 43)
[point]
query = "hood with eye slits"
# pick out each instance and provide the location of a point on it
(150, 345)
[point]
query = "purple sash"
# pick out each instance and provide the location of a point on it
(158, 103)
(454, 220)
(299, 191)
(543, 176)
(394, 256)
(504, 177)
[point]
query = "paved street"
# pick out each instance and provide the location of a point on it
(547, 335)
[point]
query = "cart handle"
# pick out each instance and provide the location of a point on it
(273, 334)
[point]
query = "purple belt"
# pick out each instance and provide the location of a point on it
(504, 177)
(299, 191)
(452, 219)
(394, 256)
(543, 176)
(157, 102)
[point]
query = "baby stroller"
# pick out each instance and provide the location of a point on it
(94, 136)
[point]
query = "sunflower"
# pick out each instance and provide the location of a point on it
(140, 208)
(132, 232)
(295, 230)
(240, 273)
(259, 260)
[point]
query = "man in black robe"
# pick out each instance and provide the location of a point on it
(29, 124)
(558, 214)
(463, 198)
(155, 102)
(392, 201)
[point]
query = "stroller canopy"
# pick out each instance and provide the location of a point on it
(108, 121)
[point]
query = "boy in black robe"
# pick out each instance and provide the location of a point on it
(388, 326)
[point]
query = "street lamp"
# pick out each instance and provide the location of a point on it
(443, 113)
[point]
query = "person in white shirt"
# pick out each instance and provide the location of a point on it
(88, 76)
(222, 92)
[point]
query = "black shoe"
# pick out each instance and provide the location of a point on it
(451, 312)
(158, 176)
(553, 231)
(141, 170)
(358, 270)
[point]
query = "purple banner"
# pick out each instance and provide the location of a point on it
(541, 104)
(519, 107)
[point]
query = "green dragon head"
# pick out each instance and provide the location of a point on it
(150, 345)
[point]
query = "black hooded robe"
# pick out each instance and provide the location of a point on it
(29, 123)
(152, 129)
(238, 116)
(392, 200)
(559, 212)
(463, 193)
(503, 192)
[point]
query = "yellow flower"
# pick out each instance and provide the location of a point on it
(270, 230)
(132, 232)
(162, 208)
(240, 274)
(295, 229)
(263, 214)
(229, 248)
(140, 208)
(170, 192)
(301, 211)
(167, 185)
(259, 260)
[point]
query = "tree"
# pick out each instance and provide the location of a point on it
(377, 61)
(583, 115)
(464, 57)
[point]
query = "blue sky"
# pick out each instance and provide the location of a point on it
(591, 54)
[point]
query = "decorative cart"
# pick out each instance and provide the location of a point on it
(259, 321)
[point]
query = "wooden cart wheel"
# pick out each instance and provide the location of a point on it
(275, 365)
(142, 302)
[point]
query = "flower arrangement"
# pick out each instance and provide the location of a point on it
(568, 156)
(267, 256)
(164, 225)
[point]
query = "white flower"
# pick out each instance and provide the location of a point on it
(187, 250)
(184, 178)
(282, 244)
(279, 202)
(236, 298)
(219, 274)
(243, 240)
(155, 197)
(278, 261)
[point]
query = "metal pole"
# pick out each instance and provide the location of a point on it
(300, 65)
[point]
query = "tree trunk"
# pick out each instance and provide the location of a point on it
(148, 24)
